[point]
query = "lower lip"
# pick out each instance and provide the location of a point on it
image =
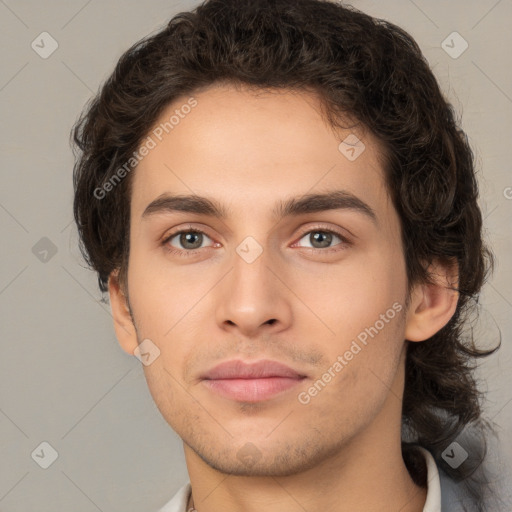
(251, 390)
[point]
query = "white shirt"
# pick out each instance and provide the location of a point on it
(432, 504)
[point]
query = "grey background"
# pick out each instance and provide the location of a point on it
(63, 377)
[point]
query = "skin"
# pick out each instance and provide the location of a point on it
(294, 303)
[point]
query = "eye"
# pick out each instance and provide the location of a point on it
(323, 238)
(186, 240)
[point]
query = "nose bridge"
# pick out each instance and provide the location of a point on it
(252, 295)
(252, 254)
(250, 276)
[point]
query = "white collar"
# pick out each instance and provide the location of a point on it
(433, 503)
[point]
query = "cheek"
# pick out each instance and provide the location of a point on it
(352, 294)
(363, 306)
(360, 370)
(160, 295)
(167, 309)
(346, 397)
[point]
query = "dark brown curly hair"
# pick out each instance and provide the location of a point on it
(361, 68)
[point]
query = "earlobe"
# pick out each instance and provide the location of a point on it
(433, 305)
(123, 323)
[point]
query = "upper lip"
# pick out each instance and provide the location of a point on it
(238, 369)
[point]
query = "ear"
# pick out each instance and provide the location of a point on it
(433, 305)
(123, 324)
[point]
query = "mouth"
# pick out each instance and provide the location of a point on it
(253, 382)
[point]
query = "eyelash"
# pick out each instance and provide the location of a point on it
(186, 253)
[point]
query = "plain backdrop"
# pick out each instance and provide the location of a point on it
(64, 380)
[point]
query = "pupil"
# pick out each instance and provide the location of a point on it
(324, 239)
(188, 238)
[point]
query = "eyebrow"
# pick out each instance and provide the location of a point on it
(309, 203)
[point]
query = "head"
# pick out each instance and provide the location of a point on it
(253, 107)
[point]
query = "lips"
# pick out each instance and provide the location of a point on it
(252, 382)
(237, 369)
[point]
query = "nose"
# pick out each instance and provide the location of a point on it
(253, 299)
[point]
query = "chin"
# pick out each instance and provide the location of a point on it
(271, 461)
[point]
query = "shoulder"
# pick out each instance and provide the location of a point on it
(453, 495)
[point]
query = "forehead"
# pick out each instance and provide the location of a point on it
(252, 147)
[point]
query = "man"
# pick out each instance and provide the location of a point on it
(284, 212)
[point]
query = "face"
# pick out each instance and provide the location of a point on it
(305, 267)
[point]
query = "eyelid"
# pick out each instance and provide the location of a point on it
(186, 229)
(183, 227)
(345, 240)
(322, 227)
